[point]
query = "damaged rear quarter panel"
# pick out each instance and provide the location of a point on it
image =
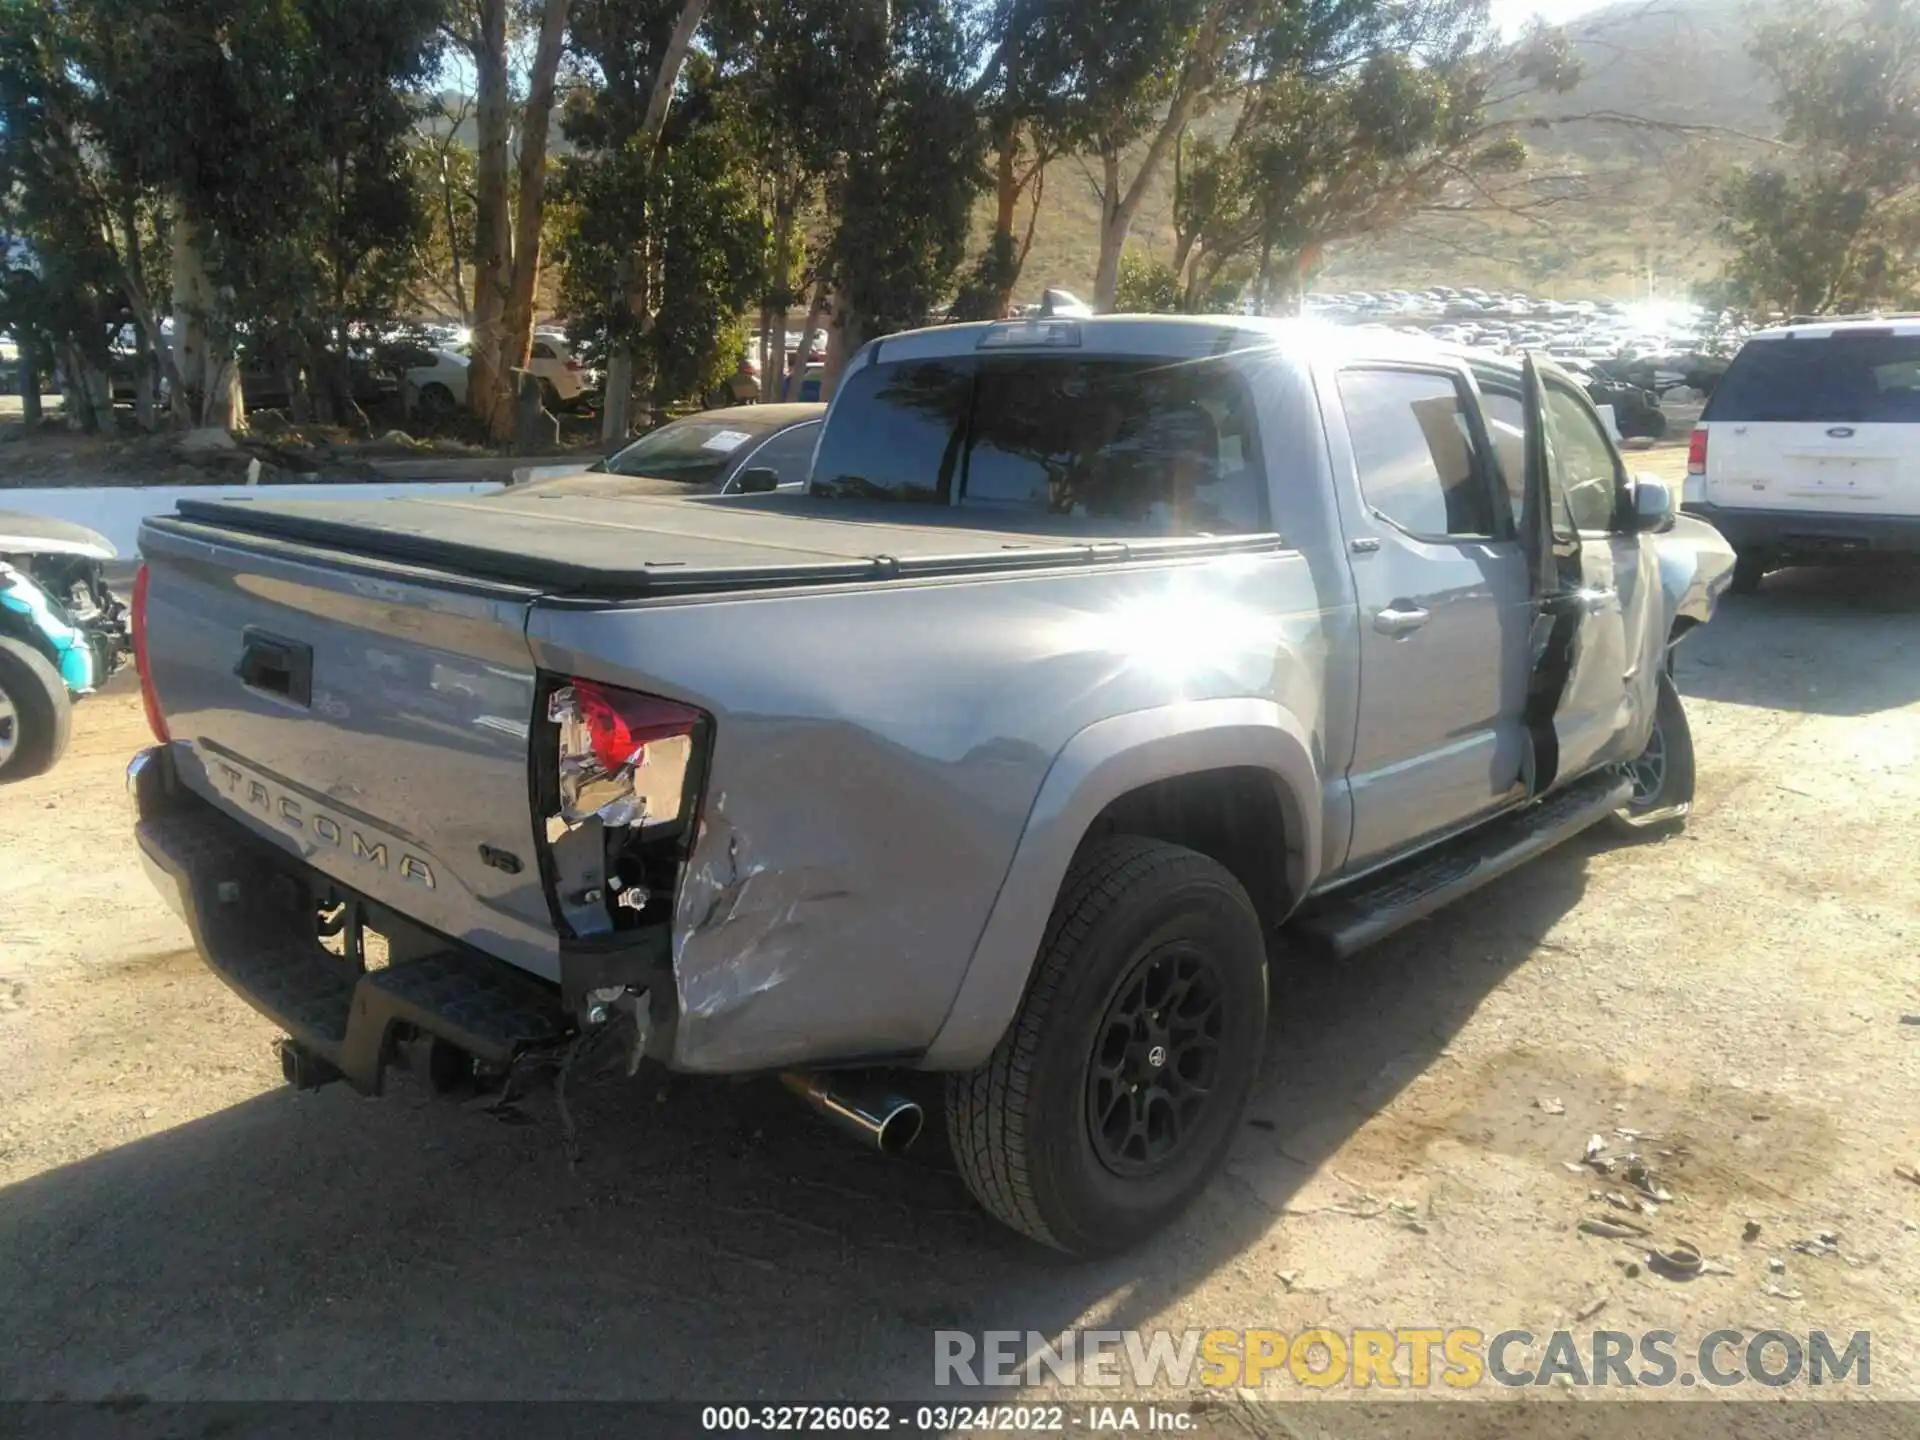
(877, 751)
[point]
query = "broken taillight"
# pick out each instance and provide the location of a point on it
(624, 757)
(149, 697)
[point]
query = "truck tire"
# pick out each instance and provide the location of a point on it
(36, 714)
(1663, 773)
(1749, 569)
(1100, 1116)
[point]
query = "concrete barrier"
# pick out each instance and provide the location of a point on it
(117, 510)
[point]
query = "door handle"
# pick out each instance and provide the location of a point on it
(1400, 619)
(275, 666)
(1594, 601)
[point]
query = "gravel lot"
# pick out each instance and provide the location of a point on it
(175, 1224)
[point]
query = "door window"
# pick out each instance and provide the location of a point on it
(542, 350)
(1415, 452)
(1582, 473)
(789, 453)
(1506, 420)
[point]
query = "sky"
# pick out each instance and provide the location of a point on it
(1510, 15)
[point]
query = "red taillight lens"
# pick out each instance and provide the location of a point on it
(624, 756)
(1697, 453)
(149, 697)
(620, 723)
(575, 365)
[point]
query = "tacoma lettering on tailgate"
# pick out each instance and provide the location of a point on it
(294, 814)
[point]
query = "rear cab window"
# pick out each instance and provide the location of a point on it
(1859, 377)
(1168, 447)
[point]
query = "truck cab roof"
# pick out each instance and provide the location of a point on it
(1172, 336)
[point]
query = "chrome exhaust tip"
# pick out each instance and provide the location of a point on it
(866, 1110)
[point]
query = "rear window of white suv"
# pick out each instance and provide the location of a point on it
(1860, 377)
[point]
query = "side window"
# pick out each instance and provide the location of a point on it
(789, 452)
(1581, 471)
(900, 434)
(542, 351)
(1507, 427)
(1412, 447)
(1170, 447)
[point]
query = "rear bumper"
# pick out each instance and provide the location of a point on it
(1811, 536)
(252, 908)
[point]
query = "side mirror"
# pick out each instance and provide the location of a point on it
(1652, 505)
(757, 481)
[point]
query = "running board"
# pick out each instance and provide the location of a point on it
(1372, 908)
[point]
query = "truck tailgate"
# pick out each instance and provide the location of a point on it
(374, 724)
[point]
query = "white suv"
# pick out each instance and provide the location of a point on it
(1809, 450)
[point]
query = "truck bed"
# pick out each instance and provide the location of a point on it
(615, 546)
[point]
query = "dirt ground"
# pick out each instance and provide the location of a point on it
(176, 1224)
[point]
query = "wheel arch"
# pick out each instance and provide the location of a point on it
(1213, 775)
(26, 625)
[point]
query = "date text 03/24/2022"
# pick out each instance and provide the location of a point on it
(945, 1419)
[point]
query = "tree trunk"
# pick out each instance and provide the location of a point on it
(74, 409)
(493, 260)
(453, 241)
(1115, 222)
(206, 380)
(99, 385)
(160, 354)
(1006, 201)
(681, 41)
(143, 362)
(30, 411)
(616, 411)
(517, 343)
(773, 312)
(616, 418)
(1117, 210)
(845, 335)
(143, 387)
(809, 332)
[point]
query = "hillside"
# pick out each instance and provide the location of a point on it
(1669, 63)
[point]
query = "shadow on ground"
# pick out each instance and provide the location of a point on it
(714, 1240)
(1819, 641)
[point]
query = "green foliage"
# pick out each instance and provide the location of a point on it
(1356, 114)
(279, 128)
(1838, 226)
(445, 176)
(1099, 73)
(711, 243)
(910, 173)
(678, 227)
(74, 236)
(1147, 286)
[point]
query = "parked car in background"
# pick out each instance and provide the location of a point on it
(711, 453)
(1809, 451)
(435, 389)
(63, 634)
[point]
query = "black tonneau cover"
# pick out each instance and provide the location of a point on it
(620, 546)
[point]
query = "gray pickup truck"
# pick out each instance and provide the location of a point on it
(1101, 661)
